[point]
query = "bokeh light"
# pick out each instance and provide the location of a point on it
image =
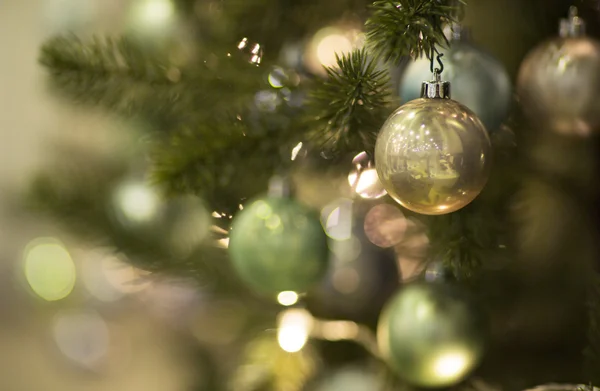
(293, 329)
(385, 225)
(49, 269)
(337, 219)
(328, 42)
(453, 365)
(136, 203)
(287, 298)
(83, 337)
(153, 14)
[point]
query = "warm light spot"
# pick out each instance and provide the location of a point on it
(368, 186)
(154, 13)
(329, 46)
(339, 330)
(296, 150)
(294, 329)
(223, 243)
(138, 202)
(337, 219)
(452, 365)
(49, 269)
(287, 298)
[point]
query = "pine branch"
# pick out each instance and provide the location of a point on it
(346, 110)
(78, 193)
(414, 28)
(112, 73)
(223, 170)
(122, 76)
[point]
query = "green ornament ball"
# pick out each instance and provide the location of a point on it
(277, 244)
(432, 335)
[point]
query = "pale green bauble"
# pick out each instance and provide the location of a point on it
(432, 335)
(277, 244)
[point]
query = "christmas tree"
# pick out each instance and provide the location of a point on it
(456, 241)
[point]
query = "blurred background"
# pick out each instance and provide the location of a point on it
(76, 314)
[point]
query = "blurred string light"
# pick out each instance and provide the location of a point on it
(83, 337)
(136, 203)
(152, 16)
(328, 42)
(295, 326)
(293, 329)
(49, 269)
(287, 298)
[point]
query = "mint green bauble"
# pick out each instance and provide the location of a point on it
(278, 245)
(432, 335)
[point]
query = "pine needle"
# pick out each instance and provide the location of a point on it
(347, 109)
(414, 28)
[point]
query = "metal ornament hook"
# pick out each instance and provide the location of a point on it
(439, 61)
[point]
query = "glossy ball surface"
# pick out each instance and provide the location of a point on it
(478, 80)
(433, 156)
(432, 335)
(277, 244)
(559, 85)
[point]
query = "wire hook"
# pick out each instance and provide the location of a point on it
(438, 58)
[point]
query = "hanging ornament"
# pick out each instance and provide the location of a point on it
(479, 81)
(433, 153)
(277, 245)
(431, 334)
(559, 81)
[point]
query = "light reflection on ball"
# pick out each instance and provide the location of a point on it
(433, 156)
(432, 334)
(363, 179)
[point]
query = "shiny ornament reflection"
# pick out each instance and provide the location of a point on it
(363, 179)
(432, 334)
(251, 51)
(479, 81)
(276, 245)
(433, 156)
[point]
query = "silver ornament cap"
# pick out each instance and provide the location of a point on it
(435, 89)
(573, 26)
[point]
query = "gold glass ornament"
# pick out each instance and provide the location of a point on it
(433, 154)
(559, 81)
